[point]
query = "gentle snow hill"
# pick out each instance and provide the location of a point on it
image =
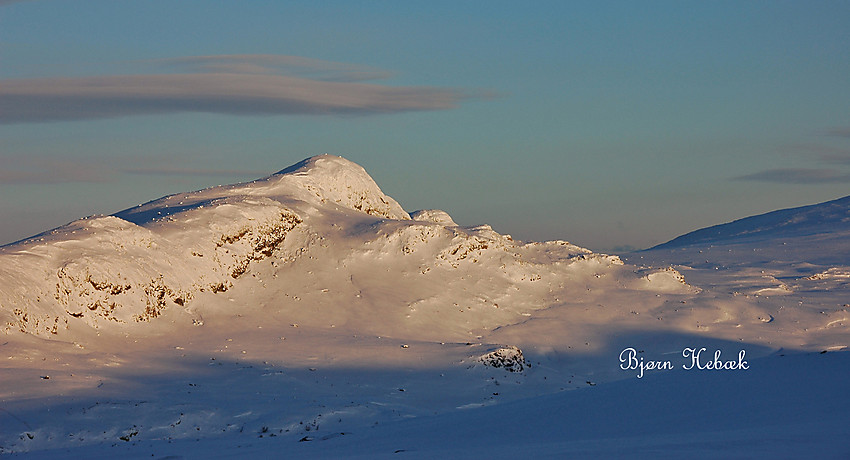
(831, 217)
(804, 249)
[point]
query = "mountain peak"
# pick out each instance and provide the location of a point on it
(324, 162)
(329, 178)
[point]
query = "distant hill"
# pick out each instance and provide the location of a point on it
(831, 217)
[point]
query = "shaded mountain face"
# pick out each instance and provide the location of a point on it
(832, 217)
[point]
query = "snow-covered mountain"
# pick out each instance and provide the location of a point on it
(323, 216)
(309, 306)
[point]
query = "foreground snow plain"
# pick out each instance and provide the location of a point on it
(308, 315)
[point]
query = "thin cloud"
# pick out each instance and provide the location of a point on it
(67, 99)
(837, 158)
(297, 66)
(812, 149)
(195, 172)
(839, 132)
(35, 170)
(820, 152)
(797, 176)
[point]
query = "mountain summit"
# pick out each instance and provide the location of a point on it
(335, 179)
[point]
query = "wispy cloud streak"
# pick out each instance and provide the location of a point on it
(252, 92)
(839, 132)
(38, 170)
(297, 66)
(27, 170)
(195, 172)
(798, 176)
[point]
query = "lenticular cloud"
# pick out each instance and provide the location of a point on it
(66, 99)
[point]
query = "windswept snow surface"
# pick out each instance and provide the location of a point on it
(307, 314)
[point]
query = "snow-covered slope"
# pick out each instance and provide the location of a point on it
(832, 217)
(309, 306)
(801, 254)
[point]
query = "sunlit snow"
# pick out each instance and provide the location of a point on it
(308, 314)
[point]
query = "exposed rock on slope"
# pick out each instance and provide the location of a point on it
(509, 358)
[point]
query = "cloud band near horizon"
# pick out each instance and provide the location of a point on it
(68, 99)
(32, 169)
(797, 176)
(297, 66)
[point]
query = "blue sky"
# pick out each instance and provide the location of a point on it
(607, 124)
